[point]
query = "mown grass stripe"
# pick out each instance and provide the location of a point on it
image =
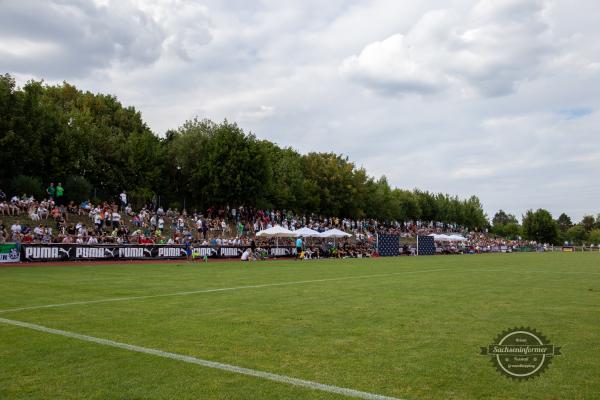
(187, 293)
(205, 363)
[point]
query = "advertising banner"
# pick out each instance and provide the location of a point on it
(75, 252)
(9, 253)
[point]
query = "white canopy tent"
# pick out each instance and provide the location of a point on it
(458, 238)
(307, 232)
(334, 233)
(276, 231)
(448, 238)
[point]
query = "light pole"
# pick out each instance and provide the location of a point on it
(178, 179)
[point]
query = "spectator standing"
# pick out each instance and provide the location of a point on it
(123, 199)
(298, 247)
(98, 221)
(60, 191)
(116, 219)
(51, 190)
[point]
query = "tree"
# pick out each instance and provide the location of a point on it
(502, 218)
(427, 205)
(594, 237)
(235, 167)
(588, 222)
(474, 215)
(29, 185)
(564, 222)
(577, 234)
(77, 189)
(540, 226)
(512, 230)
(505, 225)
(286, 191)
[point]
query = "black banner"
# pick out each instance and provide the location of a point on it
(74, 252)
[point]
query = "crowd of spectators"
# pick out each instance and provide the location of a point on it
(50, 220)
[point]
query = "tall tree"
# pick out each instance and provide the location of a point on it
(564, 222)
(540, 226)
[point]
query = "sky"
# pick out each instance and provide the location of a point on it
(497, 98)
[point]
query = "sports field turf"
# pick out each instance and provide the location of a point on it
(408, 327)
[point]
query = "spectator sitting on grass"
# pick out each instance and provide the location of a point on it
(72, 208)
(248, 255)
(85, 207)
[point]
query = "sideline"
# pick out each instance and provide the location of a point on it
(205, 363)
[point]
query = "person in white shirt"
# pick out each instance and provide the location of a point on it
(123, 198)
(92, 240)
(15, 228)
(247, 255)
(161, 223)
(79, 239)
(116, 219)
(38, 231)
(98, 221)
(81, 230)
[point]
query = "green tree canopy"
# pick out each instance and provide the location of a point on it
(540, 226)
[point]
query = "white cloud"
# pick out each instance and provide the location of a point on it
(490, 49)
(73, 38)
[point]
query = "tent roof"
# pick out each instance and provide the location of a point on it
(306, 232)
(334, 233)
(276, 231)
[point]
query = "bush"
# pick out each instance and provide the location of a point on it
(77, 189)
(29, 185)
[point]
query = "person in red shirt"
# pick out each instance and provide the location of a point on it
(145, 240)
(27, 238)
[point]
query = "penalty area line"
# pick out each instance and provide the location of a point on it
(205, 363)
(187, 293)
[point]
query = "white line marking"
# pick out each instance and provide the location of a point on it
(216, 290)
(205, 363)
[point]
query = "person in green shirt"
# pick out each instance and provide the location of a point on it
(60, 191)
(51, 190)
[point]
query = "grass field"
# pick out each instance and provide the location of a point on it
(408, 328)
